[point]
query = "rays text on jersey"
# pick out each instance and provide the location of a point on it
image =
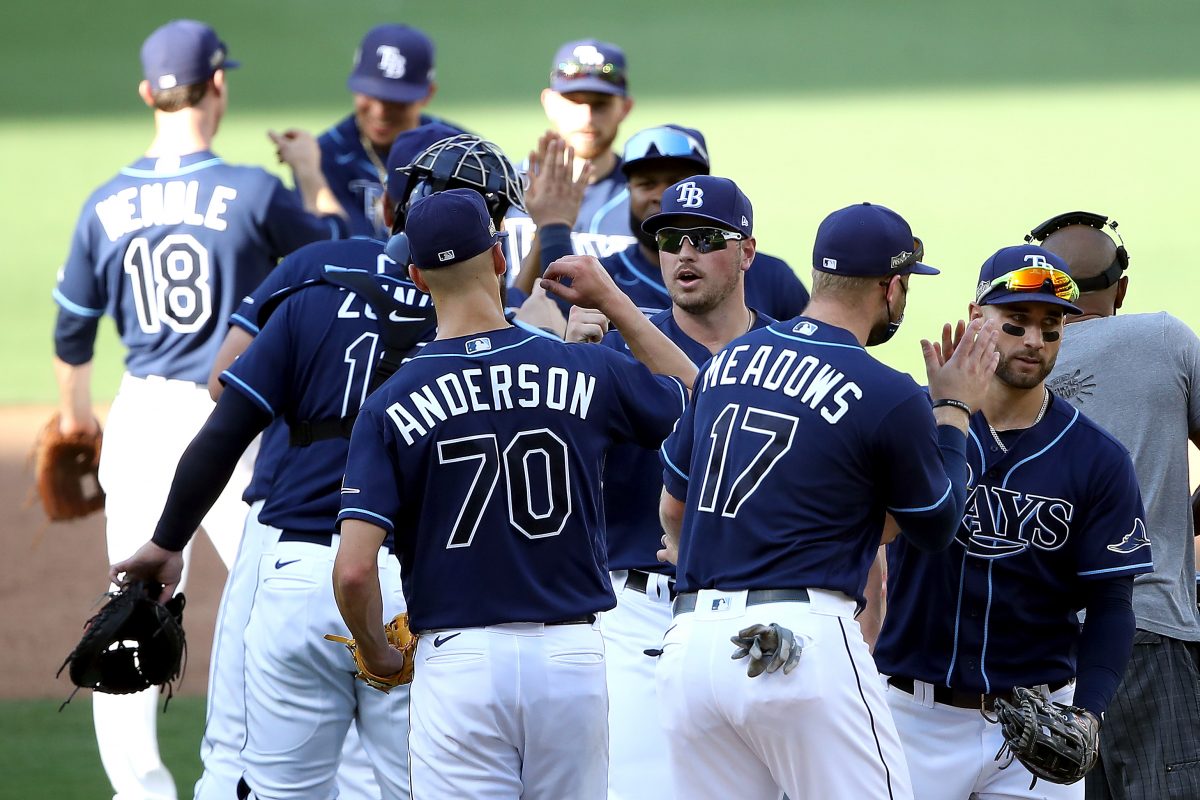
(999, 522)
(491, 389)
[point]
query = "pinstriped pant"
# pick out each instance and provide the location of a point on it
(1150, 740)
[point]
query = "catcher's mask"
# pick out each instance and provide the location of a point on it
(463, 162)
(1099, 222)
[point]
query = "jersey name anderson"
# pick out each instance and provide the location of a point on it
(496, 388)
(782, 369)
(135, 208)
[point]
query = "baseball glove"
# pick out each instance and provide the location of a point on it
(65, 469)
(399, 637)
(133, 642)
(1055, 742)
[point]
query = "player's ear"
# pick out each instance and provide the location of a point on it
(145, 93)
(1122, 288)
(433, 87)
(499, 264)
(749, 248)
(414, 274)
(549, 98)
(974, 311)
(626, 107)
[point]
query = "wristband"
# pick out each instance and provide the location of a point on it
(959, 404)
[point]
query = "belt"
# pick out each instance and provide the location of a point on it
(639, 579)
(961, 699)
(755, 597)
(310, 537)
(590, 619)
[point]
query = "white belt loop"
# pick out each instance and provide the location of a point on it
(619, 578)
(923, 693)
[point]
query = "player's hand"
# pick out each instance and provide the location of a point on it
(298, 149)
(669, 554)
(966, 373)
(581, 281)
(70, 425)
(769, 648)
(385, 662)
(150, 563)
(891, 529)
(540, 311)
(586, 325)
(950, 340)
(553, 195)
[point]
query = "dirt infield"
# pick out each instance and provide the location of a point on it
(51, 576)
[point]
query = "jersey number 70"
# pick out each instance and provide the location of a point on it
(770, 431)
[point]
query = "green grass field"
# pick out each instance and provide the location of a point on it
(974, 122)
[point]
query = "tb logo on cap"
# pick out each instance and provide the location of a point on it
(391, 63)
(690, 195)
(1037, 260)
(588, 55)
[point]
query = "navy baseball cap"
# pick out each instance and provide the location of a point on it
(394, 63)
(1008, 260)
(866, 241)
(589, 65)
(666, 143)
(408, 146)
(448, 227)
(717, 200)
(181, 53)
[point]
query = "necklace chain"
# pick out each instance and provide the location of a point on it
(1041, 413)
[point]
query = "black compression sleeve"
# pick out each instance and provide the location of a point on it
(206, 466)
(555, 242)
(933, 530)
(1106, 642)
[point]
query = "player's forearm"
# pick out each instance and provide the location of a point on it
(1105, 643)
(670, 515)
(647, 343)
(531, 267)
(871, 618)
(318, 198)
(356, 585)
(933, 529)
(75, 396)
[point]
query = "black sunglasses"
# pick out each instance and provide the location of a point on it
(705, 240)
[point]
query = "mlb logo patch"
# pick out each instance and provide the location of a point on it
(805, 329)
(445, 255)
(720, 604)
(480, 345)
(829, 263)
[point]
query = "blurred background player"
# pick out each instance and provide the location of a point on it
(167, 248)
(586, 102)
(708, 311)
(316, 357)
(1138, 377)
(392, 82)
(1053, 524)
(777, 479)
(509, 695)
(654, 159)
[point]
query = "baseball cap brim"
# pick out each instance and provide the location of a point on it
(390, 91)
(653, 224)
(1000, 298)
(917, 268)
(586, 85)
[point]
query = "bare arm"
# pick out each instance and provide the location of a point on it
(871, 618)
(359, 598)
(75, 397)
(236, 342)
(592, 287)
(553, 198)
(299, 150)
(670, 514)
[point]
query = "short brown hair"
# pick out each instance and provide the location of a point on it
(844, 286)
(178, 98)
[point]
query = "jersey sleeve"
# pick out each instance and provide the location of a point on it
(788, 295)
(263, 372)
(289, 226)
(372, 475)
(286, 275)
(646, 405)
(80, 289)
(1113, 539)
(910, 458)
(676, 453)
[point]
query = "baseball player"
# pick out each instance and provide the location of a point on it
(1053, 525)
(704, 273)
(392, 82)
(166, 248)
(318, 355)
(777, 480)
(225, 728)
(1151, 404)
(654, 159)
(586, 102)
(482, 456)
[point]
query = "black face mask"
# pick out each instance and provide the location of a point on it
(881, 334)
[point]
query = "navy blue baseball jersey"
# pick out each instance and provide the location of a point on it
(313, 360)
(795, 444)
(633, 474)
(483, 455)
(771, 286)
(355, 179)
(602, 227)
(169, 246)
(1000, 607)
